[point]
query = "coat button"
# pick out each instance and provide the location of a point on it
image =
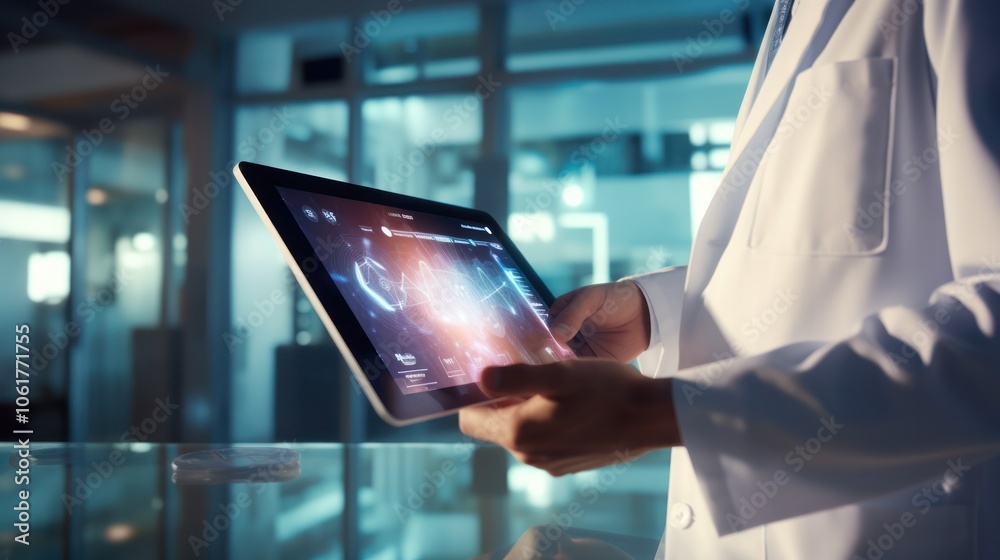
(681, 515)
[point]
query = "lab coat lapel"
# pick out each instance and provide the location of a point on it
(786, 64)
(756, 77)
(814, 24)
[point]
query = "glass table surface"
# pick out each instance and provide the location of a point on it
(330, 501)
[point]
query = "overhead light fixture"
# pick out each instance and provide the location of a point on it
(48, 277)
(14, 121)
(119, 532)
(34, 222)
(531, 227)
(14, 171)
(144, 241)
(573, 195)
(97, 197)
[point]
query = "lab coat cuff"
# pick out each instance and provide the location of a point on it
(664, 293)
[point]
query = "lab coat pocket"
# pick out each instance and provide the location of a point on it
(824, 181)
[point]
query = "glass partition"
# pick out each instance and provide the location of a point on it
(423, 146)
(607, 179)
(34, 250)
(269, 311)
(415, 501)
(126, 190)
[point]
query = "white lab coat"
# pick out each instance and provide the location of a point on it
(835, 340)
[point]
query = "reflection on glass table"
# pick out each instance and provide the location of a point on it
(330, 501)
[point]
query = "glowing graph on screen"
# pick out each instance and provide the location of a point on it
(438, 306)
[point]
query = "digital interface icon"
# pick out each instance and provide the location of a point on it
(406, 359)
(329, 216)
(417, 378)
(478, 363)
(452, 367)
(374, 280)
(310, 213)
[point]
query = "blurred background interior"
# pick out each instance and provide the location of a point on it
(595, 129)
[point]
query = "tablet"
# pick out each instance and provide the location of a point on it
(418, 296)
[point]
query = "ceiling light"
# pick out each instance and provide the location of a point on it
(13, 121)
(97, 196)
(573, 195)
(144, 241)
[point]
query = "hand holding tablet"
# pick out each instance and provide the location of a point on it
(419, 296)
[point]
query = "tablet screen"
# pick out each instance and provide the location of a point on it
(438, 297)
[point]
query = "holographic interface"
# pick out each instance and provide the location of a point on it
(439, 298)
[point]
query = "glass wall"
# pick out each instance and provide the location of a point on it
(609, 133)
(440, 501)
(608, 179)
(269, 311)
(599, 145)
(126, 190)
(610, 123)
(423, 146)
(34, 247)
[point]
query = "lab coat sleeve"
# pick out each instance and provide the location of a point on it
(911, 398)
(664, 293)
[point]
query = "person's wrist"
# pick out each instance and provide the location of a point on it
(657, 416)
